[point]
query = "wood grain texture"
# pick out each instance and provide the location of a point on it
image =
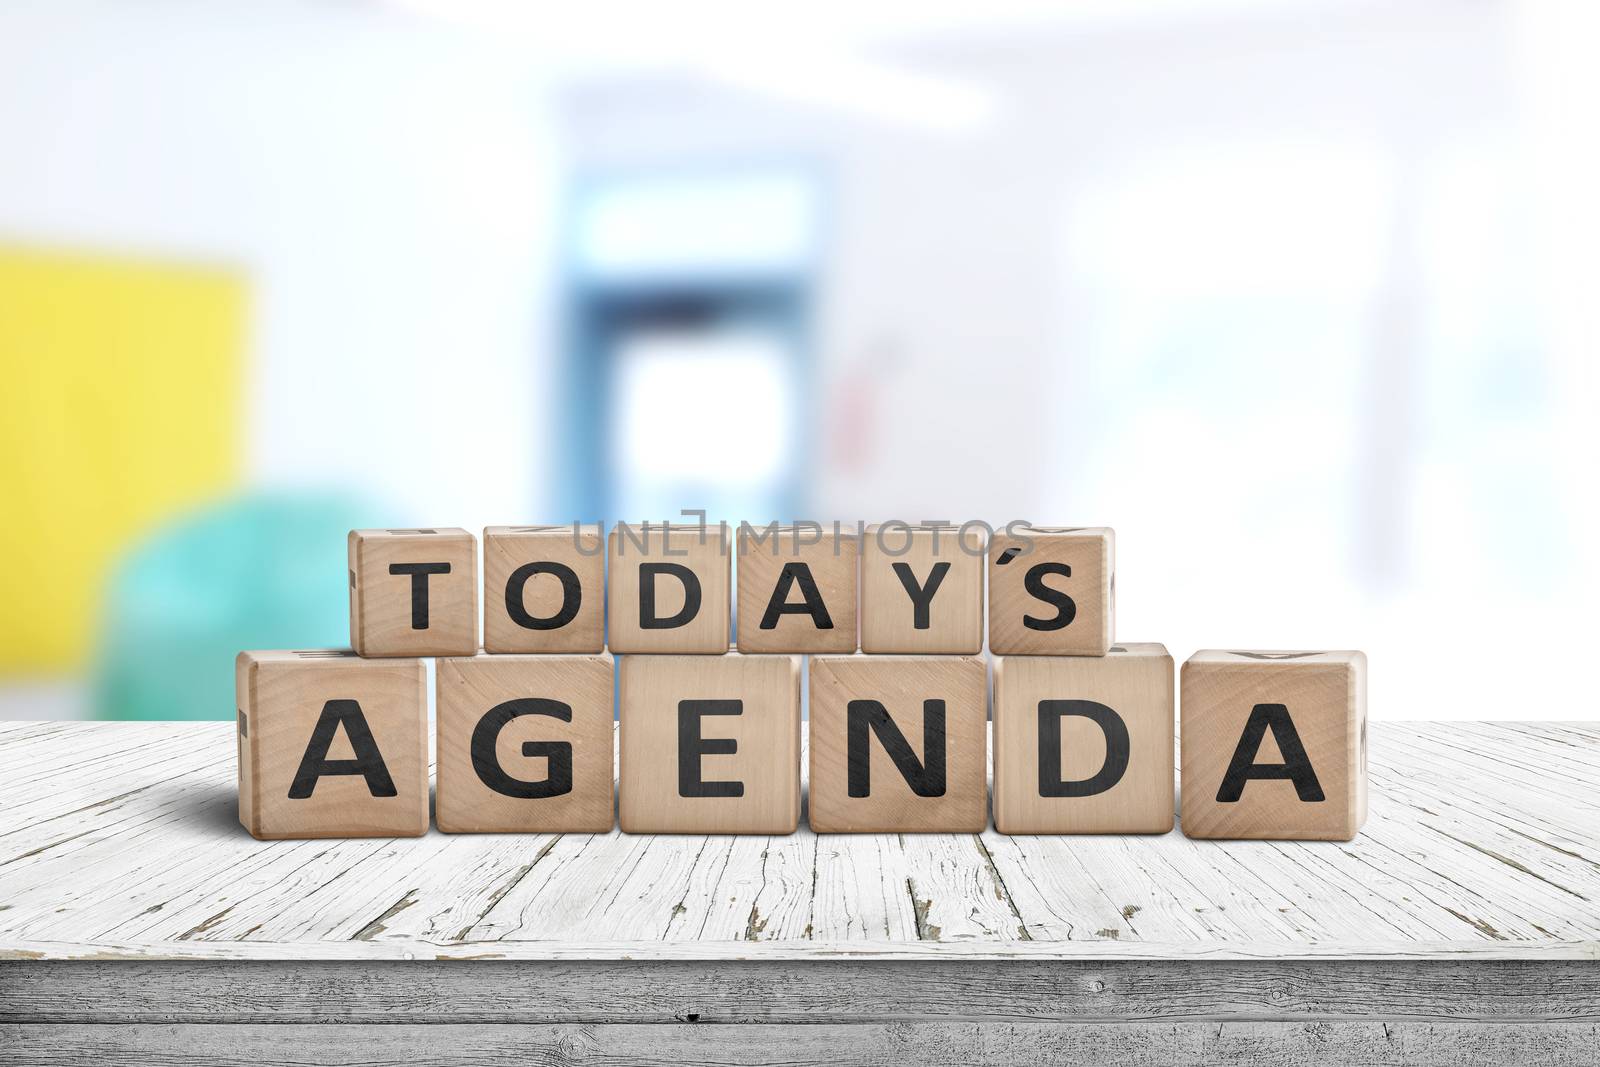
(1078, 563)
(809, 573)
(930, 559)
(558, 556)
(386, 614)
(478, 688)
(636, 549)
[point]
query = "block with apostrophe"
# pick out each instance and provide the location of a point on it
(922, 589)
(1051, 591)
(669, 588)
(544, 589)
(414, 592)
(797, 589)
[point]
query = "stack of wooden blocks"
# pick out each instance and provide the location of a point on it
(333, 743)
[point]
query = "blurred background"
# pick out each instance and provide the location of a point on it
(1300, 297)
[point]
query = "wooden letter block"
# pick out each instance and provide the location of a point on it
(710, 744)
(921, 591)
(898, 744)
(1083, 745)
(669, 588)
(544, 589)
(1053, 598)
(331, 745)
(1275, 745)
(525, 744)
(797, 590)
(414, 592)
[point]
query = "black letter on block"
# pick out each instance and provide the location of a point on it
(1295, 766)
(923, 597)
(571, 596)
(368, 762)
(419, 588)
(1066, 609)
(810, 600)
(1110, 772)
(647, 595)
(558, 754)
(691, 747)
(926, 779)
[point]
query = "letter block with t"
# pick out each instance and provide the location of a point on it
(898, 743)
(331, 745)
(710, 744)
(1050, 591)
(544, 589)
(524, 744)
(669, 588)
(1274, 745)
(797, 589)
(1083, 744)
(414, 592)
(921, 590)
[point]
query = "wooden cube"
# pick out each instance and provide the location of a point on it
(1050, 591)
(921, 590)
(524, 744)
(898, 743)
(1083, 744)
(669, 588)
(797, 590)
(1274, 745)
(710, 744)
(414, 592)
(544, 589)
(331, 745)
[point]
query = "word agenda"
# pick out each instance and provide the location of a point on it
(888, 626)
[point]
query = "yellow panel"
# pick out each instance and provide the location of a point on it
(119, 406)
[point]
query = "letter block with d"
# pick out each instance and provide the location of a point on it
(1083, 744)
(1275, 745)
(1050, 591)
(331, 745)
(544, 589)
(670, 588)
(710, 744)
(524, 744)
(898, 743)
(414, 592)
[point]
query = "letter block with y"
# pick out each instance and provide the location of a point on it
(1083, 744)
(1275, 745)
(898, 743)
(797, 589)
(544, 589)
(524, 744)
(1050, 591)
(922, 589)
(669, 589)
(414, 592)
(331, 745)
(710, 744)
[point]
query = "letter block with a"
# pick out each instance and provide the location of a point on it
(331, 745)
(898, 743)
(1083, 744)
(921, 590)
(710, 744)
(797, 589)
(1050, 591)
(1274, 745)
(414, 592)
(544, 589)
(524, 744)
(669, 588)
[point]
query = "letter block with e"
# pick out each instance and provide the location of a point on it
(797, 589)
(1274, 745)
(544, 589)
(524, 744)
(670, 588)
(331, 745)
(1050, 591)
(899, 743)
(710, 744)
(1083, 744)
(414, 592)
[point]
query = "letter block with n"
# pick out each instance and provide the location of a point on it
(414, 592)
(331, 745)
(1274, 745)
(669, 588)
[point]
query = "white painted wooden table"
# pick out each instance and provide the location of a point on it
(139, 923)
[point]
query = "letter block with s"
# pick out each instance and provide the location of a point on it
(1083, 744)
(669, 588)
(1051, 591)
(544, 589)
(414, 592)
(1274, 745)
(331, 745)
(524, 744)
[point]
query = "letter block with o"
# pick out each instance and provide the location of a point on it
(544, 589)
(1050, 591)
(669, 588)
(524, 744)
(1274, 745)
(1083, 744)
(331, 745)
(414, 592)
